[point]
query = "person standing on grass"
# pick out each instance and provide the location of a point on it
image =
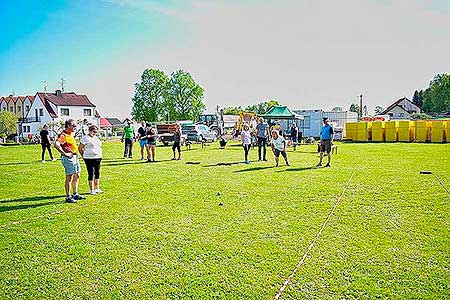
(177, 141)
(91, 150)
(45, 143)
(294, 133)
(246, 140)
(142, 136)
(129, 138)
(66, 145)
(151, 143)
(326, 141)
(278, 147)
(262, 133)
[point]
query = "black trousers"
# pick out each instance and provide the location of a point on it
(128, 148)
(262, 142)
(46, 146)
(246, 150)
(93, 168)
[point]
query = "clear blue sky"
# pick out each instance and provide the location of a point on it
(306, 54)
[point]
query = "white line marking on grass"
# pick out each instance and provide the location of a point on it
(288, 280)
(58, 212)
(440, 181)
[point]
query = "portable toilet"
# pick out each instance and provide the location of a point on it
(423, 131)
(406, 131)
(391, 129)
(378, 131)
(363, 132)
(438, 131)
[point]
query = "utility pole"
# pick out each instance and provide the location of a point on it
(360, 105)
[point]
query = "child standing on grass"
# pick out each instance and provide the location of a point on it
(246, 141)
(278, 147)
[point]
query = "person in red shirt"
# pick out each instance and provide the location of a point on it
(66, 145)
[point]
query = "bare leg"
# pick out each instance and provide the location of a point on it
(147, 147)
(91, 185)
(97, 184)
(153, 152)
(75, 183)
(67, 184)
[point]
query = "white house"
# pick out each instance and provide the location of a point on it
(3, 104)
(401, 109)
(55, 107)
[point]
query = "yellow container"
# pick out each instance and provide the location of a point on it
(391, 128)
(363, 132)
(438, 131)
(378, 131)
(406, 131)
(423, 131)
(350, 130)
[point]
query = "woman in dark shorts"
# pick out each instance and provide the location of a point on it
(278, 147)
(151, 144)
(177, 142)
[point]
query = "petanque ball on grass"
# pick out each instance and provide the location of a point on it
(218, 193)
(221, 204)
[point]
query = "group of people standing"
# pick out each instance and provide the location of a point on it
(147, 137)
(278, 142)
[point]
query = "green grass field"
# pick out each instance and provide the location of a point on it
(158, 231)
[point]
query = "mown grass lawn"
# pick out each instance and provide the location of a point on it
(159, 232)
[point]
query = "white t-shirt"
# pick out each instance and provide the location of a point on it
(278, 143)
(92, 147)
(245, 137)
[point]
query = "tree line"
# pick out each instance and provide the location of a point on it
(259, 108)
(158, 97)
(436, 98)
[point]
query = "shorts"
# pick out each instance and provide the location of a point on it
(325, 146)
(151, 143)
(71, 165)
(277, 152)
(142, 143)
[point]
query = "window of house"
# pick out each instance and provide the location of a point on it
(64, 111)
(401, 115)
(19, 108)
(391, 114)
(41, 112)
(87, 112)
(11, 109)
(27, 108)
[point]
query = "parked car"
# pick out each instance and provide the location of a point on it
(199, 133)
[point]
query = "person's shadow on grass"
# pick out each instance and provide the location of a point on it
(29, 199)
(254, 169)
(299, 169)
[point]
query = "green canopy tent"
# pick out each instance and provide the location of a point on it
(281, 114)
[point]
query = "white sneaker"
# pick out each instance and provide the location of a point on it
(99, 191)
(93, 192)
(54, 159)
(44, 161)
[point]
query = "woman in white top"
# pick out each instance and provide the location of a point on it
(278, 146)
(91, 150)
(246, 141)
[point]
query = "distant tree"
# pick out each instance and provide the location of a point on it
(336, 109)
(8, 123)
(417, 98)
(232, 110)
(354, 108)
(436, 97)
(150, 96)
(185, 97)
(378, 110)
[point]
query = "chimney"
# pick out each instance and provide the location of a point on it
(58, 93)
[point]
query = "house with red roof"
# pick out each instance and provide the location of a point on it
(55, 107)
(19, 106)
